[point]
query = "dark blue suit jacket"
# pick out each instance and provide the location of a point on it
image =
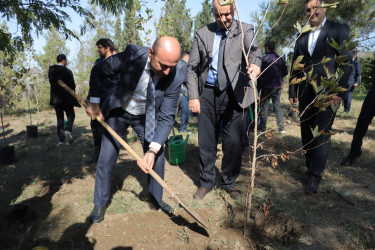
(130, 65)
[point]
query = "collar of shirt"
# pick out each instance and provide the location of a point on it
(60, 64)
(321, 25)
(148, 69)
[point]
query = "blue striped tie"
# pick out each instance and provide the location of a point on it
(150, 110)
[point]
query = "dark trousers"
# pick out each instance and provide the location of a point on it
(266, 96)
(364, 120)
(220, 112)
(69, 111)
(96, 129)
(185, 112)
(348, 100)
(317, 148)
(120, 120)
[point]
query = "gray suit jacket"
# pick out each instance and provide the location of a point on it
(235, 65)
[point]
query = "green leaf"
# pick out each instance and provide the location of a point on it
(225, 2)
(306, 28)
(340, 59)
(298, 27)
(335, 107)
(324, 60)
(315, 132)
(282, 2)
(297, 65)
(334, 44)
(330, 5)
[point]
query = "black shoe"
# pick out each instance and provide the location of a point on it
(201, 193)
(349, 160)
(161, 205)
(234, 193)
(311, 186)
(97, 215)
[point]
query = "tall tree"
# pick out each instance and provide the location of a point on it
(204, 16)
(39, 15)
(175, 21)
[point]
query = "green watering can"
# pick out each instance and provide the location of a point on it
(177, 149)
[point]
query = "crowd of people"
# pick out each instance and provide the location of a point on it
(144, 87)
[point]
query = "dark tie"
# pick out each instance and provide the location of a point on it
(221, 76)
(150, 110)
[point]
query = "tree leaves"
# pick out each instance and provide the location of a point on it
(297, 65)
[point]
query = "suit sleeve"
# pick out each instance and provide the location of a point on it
(103, 70)
(358, 73)
(255, 55)
(193, 69)
(293, 74)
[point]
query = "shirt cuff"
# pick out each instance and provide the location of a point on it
(94, 99)
(155, 145)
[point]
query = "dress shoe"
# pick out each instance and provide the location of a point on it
(349, 160)
(97, 215)
(161, 205)
(234, 193)
(311, 186)
(201, 193)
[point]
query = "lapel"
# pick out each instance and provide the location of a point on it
(232, 35)
(210, 37)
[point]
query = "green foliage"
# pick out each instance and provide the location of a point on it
(205, 16)
(175, 21)
(367, 62)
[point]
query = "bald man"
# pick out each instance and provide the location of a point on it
(143, 71)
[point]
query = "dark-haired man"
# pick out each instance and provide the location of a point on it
(106, 48)
(145, 99)
(61, 100)
(270, 83)
(314, 46)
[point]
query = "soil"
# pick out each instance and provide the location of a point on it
(54, 185)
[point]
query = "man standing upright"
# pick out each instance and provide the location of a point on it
(105, 49)
(220, 90)
(270, 83)
(145, 99)
(314, 46)
(61, 100)
(353, 82)
(184, 102)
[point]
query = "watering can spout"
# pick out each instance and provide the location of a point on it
(186, 139)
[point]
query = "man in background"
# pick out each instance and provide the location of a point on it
(105, 49)
(61, 100)
(353, 82)
(270, 84)
(184, 102)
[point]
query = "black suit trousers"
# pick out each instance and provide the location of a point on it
(70, 116)
(220, 115)
(120, 120)
(364, 120)
(317, 148)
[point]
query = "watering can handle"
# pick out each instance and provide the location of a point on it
(186, 139)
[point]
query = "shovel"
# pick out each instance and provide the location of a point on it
(172, 194)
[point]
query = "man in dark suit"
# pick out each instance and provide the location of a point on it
(364, 120)
(220, 90)
(314, 46)
(353, 82)
(61, 100)
(105, 48)
(146, 99)
(184, 102)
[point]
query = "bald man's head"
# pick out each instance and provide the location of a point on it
(164, 55)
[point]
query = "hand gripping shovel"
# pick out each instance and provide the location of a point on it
(172, 194)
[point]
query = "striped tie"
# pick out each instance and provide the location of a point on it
(150, 110)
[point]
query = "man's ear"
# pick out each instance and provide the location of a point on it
(150, 52)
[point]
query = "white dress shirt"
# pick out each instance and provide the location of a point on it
(313, 37)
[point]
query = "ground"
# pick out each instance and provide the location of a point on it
(55, 185)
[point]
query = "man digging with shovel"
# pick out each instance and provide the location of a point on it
(146, 99)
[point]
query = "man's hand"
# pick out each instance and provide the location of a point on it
(148, 160)
(293, 101)
(195, 106)
(336, 99)
(93, 110)
(355, 85)
(253, 70)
